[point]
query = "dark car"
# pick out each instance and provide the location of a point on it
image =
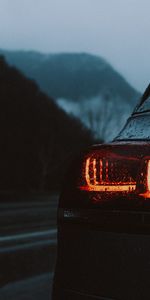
(104, 218)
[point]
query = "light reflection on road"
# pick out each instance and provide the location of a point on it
(36, 288)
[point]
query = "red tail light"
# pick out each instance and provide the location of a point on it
(104, 175)
(146, 193)
(117, 169)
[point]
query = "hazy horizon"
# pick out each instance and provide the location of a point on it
(118, 31)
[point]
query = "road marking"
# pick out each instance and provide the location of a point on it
(28, 246)
(28, 240)
(49, 233)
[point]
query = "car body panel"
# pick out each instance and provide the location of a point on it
(104, 252)
(102, 261)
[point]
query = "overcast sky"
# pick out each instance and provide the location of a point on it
(118, 30)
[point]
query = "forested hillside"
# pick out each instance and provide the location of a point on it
(38, 139)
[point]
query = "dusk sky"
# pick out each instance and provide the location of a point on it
(118, 30)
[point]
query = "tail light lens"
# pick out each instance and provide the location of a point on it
(113, 170)
(110, 175)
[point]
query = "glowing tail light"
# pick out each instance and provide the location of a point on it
(146, 193)
(100, 176)
(111, 172)
(148, 175)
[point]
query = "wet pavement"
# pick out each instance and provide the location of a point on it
(36, 288)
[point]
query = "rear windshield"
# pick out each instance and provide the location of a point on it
(145, 106)
(138, 125)
(137, 128)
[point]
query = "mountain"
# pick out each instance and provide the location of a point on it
(38, 138)
(82, 84)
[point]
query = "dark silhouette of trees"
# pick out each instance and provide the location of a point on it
(37, 139)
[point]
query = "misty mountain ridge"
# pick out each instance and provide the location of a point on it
(82, 84)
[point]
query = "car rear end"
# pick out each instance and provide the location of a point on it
(104, 222)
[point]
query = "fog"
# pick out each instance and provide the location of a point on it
(117, 30)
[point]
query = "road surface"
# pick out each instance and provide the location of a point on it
(28, 238)
(36, 288)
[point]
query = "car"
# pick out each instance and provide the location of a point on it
(104, 218)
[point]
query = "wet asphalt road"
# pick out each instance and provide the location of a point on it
(27, 248)
(36, 288)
